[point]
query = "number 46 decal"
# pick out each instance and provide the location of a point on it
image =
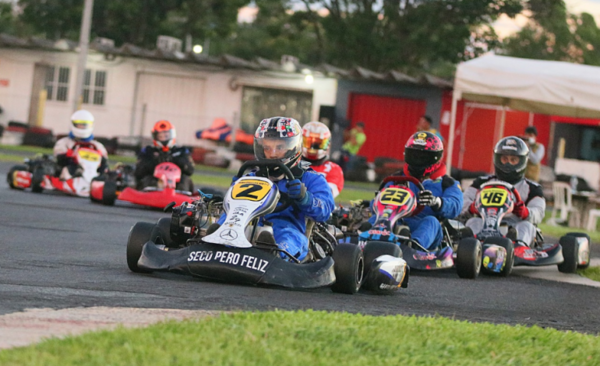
(494, 197)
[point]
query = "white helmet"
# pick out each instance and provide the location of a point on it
(82, 124)
(316, 139)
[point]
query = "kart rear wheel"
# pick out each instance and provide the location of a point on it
(109, 193)
(139, 234)
(37, 178)
(570, 249)
(509, 261)
(162, 229)
(11, 173)
(468, 258)
(348, 267)
(587, 255)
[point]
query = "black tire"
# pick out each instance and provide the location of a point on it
(374, 249)
(109, 193)
(162, 229)
(139, 234)
(37, 177)
(468, 258)
(11, 172)
(583, 235)
(570, 249)
(510, 253)
(348, 267)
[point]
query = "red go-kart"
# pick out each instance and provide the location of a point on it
(168, 175)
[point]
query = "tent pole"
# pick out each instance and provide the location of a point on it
(455, 97)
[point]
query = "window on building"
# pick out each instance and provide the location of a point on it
(57, 83)
(94, 87)
(260, 103)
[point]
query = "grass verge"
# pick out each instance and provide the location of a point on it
(315, 338)
(593, 273)
(558, 231)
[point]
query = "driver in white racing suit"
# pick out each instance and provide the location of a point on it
(510, 162)
(81, 134)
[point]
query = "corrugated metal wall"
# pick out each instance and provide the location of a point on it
(389, 122)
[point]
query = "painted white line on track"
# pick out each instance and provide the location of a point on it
(35, 325)
(551, 273)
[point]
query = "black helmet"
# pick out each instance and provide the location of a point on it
(513, 146)
(423, 154)
(282, 134)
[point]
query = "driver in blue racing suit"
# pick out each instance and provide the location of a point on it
(442, 195)
(281, 138)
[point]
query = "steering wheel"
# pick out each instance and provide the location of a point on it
(270, 163)
(406, 179)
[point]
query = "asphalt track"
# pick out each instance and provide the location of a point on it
(60, 252)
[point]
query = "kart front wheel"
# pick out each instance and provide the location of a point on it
(37, 178)
(109, 193)
(508, 245)
(348, 265)
(468, 258)
(570, 249)
(372, 251)
(139, 235)
(585, 253)
(10, 177)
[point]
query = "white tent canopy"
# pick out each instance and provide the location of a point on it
(547, 87)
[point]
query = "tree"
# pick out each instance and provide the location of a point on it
(138, 22)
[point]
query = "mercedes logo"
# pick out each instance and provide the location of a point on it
(228, 235)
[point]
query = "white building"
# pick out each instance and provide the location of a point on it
(128, 88)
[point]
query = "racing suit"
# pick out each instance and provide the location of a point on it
(67, 160)
(532, 195)
(289, 225)
(425, 227)
(333, 174)
(150, 156)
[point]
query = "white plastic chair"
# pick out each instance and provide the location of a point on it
(593, 216)
(563, 204)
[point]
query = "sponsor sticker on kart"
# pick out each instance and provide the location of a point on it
(250, 190)
(226, 257)
(394, 196)
(89, 155)
(495, 197)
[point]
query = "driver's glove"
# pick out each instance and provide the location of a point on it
(521, 211)
(426, 198)
(473, 209)
(297, 192)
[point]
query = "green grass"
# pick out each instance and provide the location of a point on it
(558, 231)
(593, 273)
(315, 338)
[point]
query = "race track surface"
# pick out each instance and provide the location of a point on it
(60, 252)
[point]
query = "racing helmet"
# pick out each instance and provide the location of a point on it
(514, 170)
(316, 139)
(423, 154)
(164, 135)
(278, 138)
(82, 124)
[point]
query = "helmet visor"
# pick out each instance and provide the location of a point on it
(276, 148)
(82, 124)
(315, 143)
(163, 136)
(421, 158)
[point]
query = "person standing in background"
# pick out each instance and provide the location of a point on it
(355, 138)
(424, 124)
(536, 154)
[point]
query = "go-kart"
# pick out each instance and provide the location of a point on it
(398, 201)
(242, 251)
(168, 175)
(501, 248)
(42, 173)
